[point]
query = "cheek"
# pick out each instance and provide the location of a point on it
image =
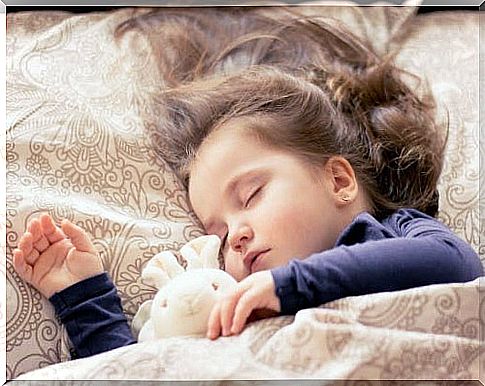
(286, 209)
(296, 228)
(283, 221)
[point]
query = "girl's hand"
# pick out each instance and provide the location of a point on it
(230, 314)
(52, 258)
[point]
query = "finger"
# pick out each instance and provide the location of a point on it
(39, 241)
(214, 322)
(32, 257)
(247, 303)
(30, 228)
(78, 236)
(25, 244)
(21, 267)
(51, 231)
(227, 312)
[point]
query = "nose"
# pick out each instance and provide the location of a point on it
(240, 237)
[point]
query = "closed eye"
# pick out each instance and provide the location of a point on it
(252, 196)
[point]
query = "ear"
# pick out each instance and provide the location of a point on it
(341, 180)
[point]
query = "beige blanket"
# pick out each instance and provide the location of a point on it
(421, 333)
(75, 149)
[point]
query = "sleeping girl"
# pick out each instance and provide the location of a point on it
(319, 177)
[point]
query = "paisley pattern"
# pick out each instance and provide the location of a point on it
(75, 150)
(335, 341)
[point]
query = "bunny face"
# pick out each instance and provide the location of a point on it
(183, 306)
(185, 298)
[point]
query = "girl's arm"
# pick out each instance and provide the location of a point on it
(63, 264)
(415, 250)
(92, 313)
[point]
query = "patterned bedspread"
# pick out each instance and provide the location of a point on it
(422, 333)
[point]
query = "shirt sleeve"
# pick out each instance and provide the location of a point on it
(424, 253)
(92, 313)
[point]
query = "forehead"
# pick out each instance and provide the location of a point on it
(220, 155)
(226, 153)
(221, 151)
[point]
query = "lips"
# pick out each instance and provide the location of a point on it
(252, 259)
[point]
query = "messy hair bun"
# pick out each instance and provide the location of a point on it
(405, 145)
(322, 90)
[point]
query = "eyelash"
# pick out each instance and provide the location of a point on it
(252, 196)
(224, 239)
(223, 242)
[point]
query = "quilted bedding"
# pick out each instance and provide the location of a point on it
(425, 333)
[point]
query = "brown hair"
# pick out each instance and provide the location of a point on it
(315, 89)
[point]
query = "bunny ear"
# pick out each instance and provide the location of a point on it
(210, 252)
(160, 269)
(202, 252)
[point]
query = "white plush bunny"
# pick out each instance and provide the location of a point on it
(185, 298)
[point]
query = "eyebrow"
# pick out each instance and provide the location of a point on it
(232, 185)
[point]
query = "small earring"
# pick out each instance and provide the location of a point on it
(345, 198)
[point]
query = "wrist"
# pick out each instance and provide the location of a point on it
(73, 293)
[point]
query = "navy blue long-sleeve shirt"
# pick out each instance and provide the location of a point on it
(407, 249)
(92, 313)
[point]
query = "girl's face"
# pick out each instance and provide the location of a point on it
(265, 204)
